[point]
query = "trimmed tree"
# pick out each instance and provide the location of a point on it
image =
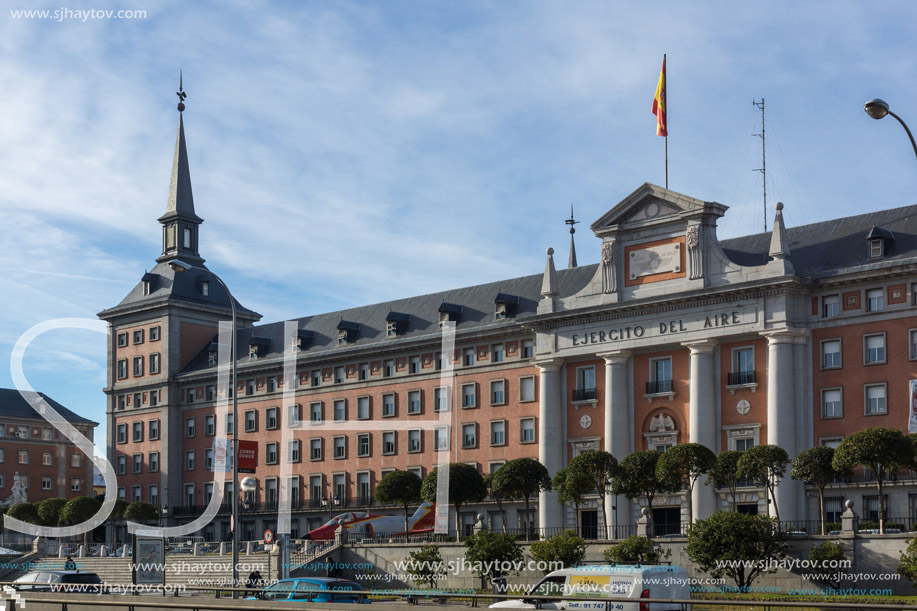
(736, 545)
(522, 478)
(79, 510)
(725, 473)
(565, 548)
(572, 487)
(880, 449)
(829, 559)
(465, 486)
(907, 562)
(635, 550)
(681, 466)
(425, 564)
(497, 497)
(813, 467)
(49, 511)
(400, 488)
(637, 477)
(489, 552)
(140, 511)
(599, 468)
(26, 512)
(118, 512)
(766, 465)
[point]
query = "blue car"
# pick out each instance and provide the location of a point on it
(315, 589)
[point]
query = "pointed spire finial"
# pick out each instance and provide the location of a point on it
(571, 262)
(181, 93)
(548, 283)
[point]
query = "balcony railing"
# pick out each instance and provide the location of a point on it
(584, 394)
(736, 378)
(658, 386)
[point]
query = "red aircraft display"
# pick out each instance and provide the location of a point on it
(370, 524)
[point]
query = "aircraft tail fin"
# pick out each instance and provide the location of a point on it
(423, 517)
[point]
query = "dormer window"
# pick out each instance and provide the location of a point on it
(449, 312)
(149, 283)
(205, 288)
(304, 339)
(505, 306)
(880, 241)
(347, 332)
(396, 323)
(211, 358)
(257, 347)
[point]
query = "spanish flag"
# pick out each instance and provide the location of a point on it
(659, 103)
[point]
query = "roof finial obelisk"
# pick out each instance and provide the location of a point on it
(571, 262)
(181, 93)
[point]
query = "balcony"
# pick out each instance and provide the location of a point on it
(659, 388)
(741, 379)
(583, 394)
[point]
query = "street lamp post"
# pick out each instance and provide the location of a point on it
(877, 109)
(180, 266)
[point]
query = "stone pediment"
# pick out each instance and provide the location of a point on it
(652, 204)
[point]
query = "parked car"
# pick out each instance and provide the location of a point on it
(315, 589)
(60, 581)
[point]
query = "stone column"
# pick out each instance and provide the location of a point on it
(550, 438)
(702, 418)
(617, 428)
(781, 413)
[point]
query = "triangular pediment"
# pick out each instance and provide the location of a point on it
(650, 204)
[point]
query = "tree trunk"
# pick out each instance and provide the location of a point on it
(732, 490)
(605, 526)
(821, 504)
(879, 476)
(690, 502)
(771, 488)
(458, 522)
(405, 520)
(528, 525)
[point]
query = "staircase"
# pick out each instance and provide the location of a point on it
(309, 554)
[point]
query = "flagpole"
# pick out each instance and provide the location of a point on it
(666, 122)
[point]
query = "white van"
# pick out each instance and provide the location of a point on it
(611, 581)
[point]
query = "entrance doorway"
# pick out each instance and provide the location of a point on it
(589, 523)
(666, 521)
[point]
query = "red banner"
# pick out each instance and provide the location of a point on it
(248, 456)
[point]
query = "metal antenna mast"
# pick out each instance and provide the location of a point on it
(763, 168)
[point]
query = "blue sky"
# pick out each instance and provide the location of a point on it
(344, 153)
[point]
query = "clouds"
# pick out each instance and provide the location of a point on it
(350, 152)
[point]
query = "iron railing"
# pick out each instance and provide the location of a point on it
(741, 377)
(658, 386)
(584, 394)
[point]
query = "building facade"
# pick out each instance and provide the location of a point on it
(37, 456)
(794, 337)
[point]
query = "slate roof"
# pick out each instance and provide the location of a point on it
(181, 286)
(834, 247)
(477, 314)
(13, 405)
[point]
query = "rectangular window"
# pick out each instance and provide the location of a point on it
(363, 412)
(338, 375)
(122, 465)
(250, 387)
(830, 353)
(388, 405)
(743, 366)
(154, 495)
(340, 447)
(45, 482)
(364, 490)
(498, 433)
(138, 336)
(154, 363)
(414, 365)
(315, 412)
(122, 433)
(122, 401)
(317, 378)
(414, 437)
(831, 403)
(138, 399)
(270, 453)
(830, 306)
(271, 384)
(414, 402)
(315, 449)
(363, 445)
(875, 399)
(270, 419)
(294, 416)
(122, 340)
(294, 450)
(441, 438)
(210, 425)
(122, 369)
(154, 397)
(744, 443)
(154, 430)
(469, 435)
(138, 366)
(874, 346)
(76, 484)
(912, 343)
(138, 431)
(340, 410)
(154, 334)
(388, 443)
(440, 397)
(497, 353)
(527, 389)
(363, 371)
(189, 460)
(528, 349)
(208, 459)
(154, 462)
(250, 421)
(875, 300)
(229, 424)
(660, 376)
(388, 368)
(468, 359)
(468, 398)
(871, 507)
(527, 430)
(585, 381)
(47, 459)
(497, 394)
(76, 460)
(189, 427)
